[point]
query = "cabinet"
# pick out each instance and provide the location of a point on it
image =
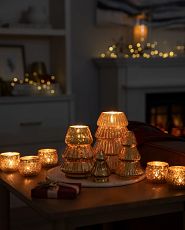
(28, 123)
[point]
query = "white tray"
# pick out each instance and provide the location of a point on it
(56, 174)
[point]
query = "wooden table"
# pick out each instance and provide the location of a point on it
(94, 205)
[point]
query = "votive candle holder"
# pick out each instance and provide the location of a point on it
(156, 171)
(48, 157)
(9, 161)
(176, 176)
(29, 166)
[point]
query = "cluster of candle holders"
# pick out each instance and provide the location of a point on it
(114, 150)
(159, 172)
(28, 166)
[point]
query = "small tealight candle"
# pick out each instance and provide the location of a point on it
(156, 171)
(48, 157)
(9, 161)
(29, 166)
(176, 176)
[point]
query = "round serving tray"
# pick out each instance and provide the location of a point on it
(55, 174)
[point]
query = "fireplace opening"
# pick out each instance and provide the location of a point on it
(167, 112)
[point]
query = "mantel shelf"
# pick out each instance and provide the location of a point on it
(49, 32)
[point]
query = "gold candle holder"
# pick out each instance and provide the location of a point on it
(48, 157)
(77, 159)
(29, 166)
(112, 119)
(100, 171)
(176, 176)
(78, 135)
(156, 171)
(9, 161)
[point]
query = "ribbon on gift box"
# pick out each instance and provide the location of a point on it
(56, 190)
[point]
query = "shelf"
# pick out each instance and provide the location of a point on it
(32, 32)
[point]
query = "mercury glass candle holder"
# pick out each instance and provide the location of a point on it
(108, 146)
(112, 119)
(77, 169)
(78, 152)
(129, 169)
(100, 171)
(9, 161)
(78, 135)
(156, 171)
(110, 132)
(129, 139)
(129, 154)
(48, 157)
(176, 177)
(29, 166)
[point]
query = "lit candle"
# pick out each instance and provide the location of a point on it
(9, 161)
(29, 166)
(140, 30)
(156, 171)
(48, 157)
(176, 176)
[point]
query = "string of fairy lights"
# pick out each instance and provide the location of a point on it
(150, 50)
(38, 83)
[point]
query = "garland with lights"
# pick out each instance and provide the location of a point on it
(38, 83)
(150, 50)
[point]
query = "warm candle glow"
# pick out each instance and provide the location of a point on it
(48, 157)
(156, 171)
(112, 119)
(29, 166)
(78, 135)
(9, 161)
(140, 30)
(176, 176)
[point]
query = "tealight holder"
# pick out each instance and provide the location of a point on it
(9, 161)
(77, 159)
(156, 171)
(78, 135)
(112, 119)
(30, 166)
(48, 157)
(176, 177)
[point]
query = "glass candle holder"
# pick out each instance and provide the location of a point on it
(9, 161)
(48, 157)
(29, 166)
(78, 135)
(176, 176)
(112, 119)
(156, 171)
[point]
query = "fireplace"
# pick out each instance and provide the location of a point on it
(167, 112)
(151, 90)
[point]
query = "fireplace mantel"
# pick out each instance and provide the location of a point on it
(124, 83)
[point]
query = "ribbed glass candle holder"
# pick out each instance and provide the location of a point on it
(112, 119)
(9, 161)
